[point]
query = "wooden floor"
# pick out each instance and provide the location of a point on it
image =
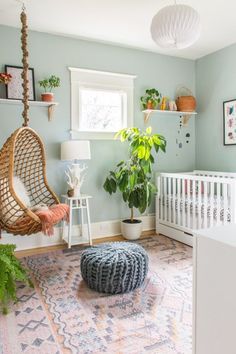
(30, 252)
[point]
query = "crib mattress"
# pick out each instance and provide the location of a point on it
(194, 206)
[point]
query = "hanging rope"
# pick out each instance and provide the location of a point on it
(24, 75)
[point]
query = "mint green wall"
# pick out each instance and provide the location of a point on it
(215, 83)
(53, 54)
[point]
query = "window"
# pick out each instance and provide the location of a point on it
(101, 103)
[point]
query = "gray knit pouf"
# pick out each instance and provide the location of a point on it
(115, 267)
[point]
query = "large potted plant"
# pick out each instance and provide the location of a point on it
(151, 99)
(48, 84)
(133, 177)
(11, 271)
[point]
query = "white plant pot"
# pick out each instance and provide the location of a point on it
(131, 231)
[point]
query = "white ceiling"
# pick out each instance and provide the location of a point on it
(124, 22)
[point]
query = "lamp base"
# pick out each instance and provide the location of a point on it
(75, 178)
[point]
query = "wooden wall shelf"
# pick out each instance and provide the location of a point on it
(185, 115)
(50, 105)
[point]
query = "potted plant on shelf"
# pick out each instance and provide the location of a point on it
(11, 271)
(48, 84)
(151, 99)
(5, 78)
(133, 177)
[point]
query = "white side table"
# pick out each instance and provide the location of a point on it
(80, 204)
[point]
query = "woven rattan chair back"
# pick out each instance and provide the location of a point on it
(23, 156)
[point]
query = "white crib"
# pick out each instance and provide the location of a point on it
(194, 200)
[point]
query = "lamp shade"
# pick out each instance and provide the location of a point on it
(176, 26)
(75, 150)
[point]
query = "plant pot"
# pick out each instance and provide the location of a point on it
(150, 105)
(70, 193)
(47, 97)
(131, 230)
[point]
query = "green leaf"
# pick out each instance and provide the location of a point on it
(132, 180)
(113, 185)
(107, 186)
(149, 130)
(120, 163)
(123, 181)
(11, 271)
(141, 152)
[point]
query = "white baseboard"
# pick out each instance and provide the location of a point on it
(99, 230)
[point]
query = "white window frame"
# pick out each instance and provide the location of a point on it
(101, 80)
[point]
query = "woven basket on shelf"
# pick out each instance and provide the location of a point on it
(185, 101)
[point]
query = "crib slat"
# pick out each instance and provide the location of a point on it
(199, 205)
(193, 204)
(211, 203)
(232, 200)
(183, 202)
(161, 199)
(225, 203)
(174, 200)
(218, 203)
(178, 201)
(188, 204)
(205, 201)
(165, 199)
(170, 206)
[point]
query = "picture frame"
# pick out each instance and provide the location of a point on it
(229, 122)
(14, 89)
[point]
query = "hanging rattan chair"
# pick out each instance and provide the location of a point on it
(23, 156)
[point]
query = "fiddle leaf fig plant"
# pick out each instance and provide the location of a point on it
(151, 99)
(11, 271)
(133, 177)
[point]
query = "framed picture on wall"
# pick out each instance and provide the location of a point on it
(14, 89)
(229, 113)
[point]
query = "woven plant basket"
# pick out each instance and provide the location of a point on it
(185, 101)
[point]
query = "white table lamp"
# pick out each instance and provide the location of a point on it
(75, 150)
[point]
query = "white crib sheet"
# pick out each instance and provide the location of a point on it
(194, 205)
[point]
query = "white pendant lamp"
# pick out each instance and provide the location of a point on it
(176, 26)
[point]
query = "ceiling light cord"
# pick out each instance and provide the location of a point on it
(22, 4)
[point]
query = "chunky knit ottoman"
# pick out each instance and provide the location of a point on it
(115, 267)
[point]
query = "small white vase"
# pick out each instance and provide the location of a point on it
(131, 231)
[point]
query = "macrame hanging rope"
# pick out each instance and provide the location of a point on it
(25, 72)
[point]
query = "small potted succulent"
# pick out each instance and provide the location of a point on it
(132, 178)
(151, 99)
(48, 84)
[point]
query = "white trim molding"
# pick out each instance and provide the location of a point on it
(100, 80)
(99, 230)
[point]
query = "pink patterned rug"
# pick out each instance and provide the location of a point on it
(61, 315)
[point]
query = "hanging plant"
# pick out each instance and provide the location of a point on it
(151, 99)
(11, 271)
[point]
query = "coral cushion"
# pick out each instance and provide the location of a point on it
(52, 216)
(49, 217)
